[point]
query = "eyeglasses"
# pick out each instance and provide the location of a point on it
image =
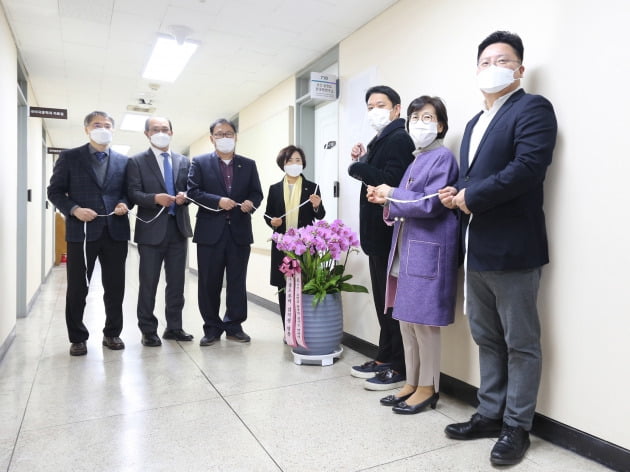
(425, 118)
(501, 62)
(220, 135)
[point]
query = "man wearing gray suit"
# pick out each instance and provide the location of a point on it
(157, 181)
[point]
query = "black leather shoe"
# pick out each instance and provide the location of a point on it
(209, 340)
(113, 342)
(511, 446)
(404, 409)
(151, 340)
(78, 349)
(241, 337)
(177, 335)
(391, 400)
(478, 427)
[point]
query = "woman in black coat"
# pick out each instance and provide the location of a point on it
(282, 208)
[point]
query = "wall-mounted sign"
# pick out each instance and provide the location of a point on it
(54, 150)
(40, 112)
(323, 86)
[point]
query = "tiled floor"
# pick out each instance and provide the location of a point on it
(227, 407)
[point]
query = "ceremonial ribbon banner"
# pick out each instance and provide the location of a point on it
(294, 317)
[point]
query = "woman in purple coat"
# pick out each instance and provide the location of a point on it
(422, 268)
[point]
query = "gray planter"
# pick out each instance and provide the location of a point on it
(323, 325)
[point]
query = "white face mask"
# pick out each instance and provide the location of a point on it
(494, 79)
(379, 118)
(225, 145)
(423, 134)
(160, 140)
(101, 135)
(293, 170)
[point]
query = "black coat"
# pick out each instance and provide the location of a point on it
(306, 216)
(386, 160)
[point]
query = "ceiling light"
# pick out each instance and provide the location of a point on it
(121, 148)
(168, 58)
(133, 122)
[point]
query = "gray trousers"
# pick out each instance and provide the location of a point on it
(504, 323)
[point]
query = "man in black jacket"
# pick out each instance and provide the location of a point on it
(384, 162)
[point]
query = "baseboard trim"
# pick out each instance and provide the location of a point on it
(562, 435)
(6, 344)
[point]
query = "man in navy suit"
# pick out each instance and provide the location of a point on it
(157, 181)
(505, 152)
(88, 186)
(228, 186)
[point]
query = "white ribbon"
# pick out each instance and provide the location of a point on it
(294, 209)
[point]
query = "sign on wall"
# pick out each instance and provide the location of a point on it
(323, 86)
(40, 112)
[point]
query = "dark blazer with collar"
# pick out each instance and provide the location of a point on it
(306, 216)
(144, 181)
(206, 186)
(386, 160)
(74, 182)
(504, 185)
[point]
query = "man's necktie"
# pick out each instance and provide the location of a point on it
(168, 180)
(100, 156)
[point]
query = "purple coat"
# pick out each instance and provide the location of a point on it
(425, 290)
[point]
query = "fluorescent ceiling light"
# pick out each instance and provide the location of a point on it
(133, 122)
(121, 148)
(168, 59)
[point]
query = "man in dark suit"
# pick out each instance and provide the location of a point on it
(88, 187)
(157, 181)
(228, 186)
(384, 162)
(504, 156)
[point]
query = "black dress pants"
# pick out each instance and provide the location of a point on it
(390, 345)
(111, 256)
(214, 261)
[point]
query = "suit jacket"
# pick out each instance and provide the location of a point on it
(306, 216)
(387, 157)
(206, 186)
(426, 241)
(504, 185)
(74, 182)
(144, 180)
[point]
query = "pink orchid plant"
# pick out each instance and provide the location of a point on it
(315, 251)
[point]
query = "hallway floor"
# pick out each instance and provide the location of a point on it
(227, 407)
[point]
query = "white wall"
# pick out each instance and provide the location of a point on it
(575, 55)
(34, 208)
(8, 181)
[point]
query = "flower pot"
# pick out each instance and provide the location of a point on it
(323, 325)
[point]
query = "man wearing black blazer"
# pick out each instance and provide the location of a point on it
(504, 156)
(384, 162)
(227, 188)
(88, 186)
(157, 181)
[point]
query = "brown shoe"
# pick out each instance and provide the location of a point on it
(78, 349)
(114, 343)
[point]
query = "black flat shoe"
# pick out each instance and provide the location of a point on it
(511, 446)
(78, 349)
(113, 342)
(392, 400)
(151, 340)
(477, 427)
(241, 337)
(209, 340)
(177, 335)
(403, 409)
